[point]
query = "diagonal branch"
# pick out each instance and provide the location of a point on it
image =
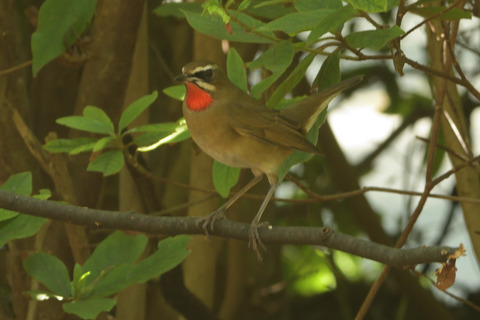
(321, 236)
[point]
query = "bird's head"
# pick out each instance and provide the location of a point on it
(203, 80)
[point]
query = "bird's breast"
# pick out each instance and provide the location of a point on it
(211, 131)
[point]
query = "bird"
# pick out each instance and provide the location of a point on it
(238, 130)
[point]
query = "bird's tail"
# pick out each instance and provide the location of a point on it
(306, 112)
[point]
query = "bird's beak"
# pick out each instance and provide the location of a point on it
(181, 77)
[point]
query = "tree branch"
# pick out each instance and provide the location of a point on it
(186, 225)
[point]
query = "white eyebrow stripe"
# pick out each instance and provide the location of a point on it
(203, 68)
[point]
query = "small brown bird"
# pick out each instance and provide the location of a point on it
(238, 130)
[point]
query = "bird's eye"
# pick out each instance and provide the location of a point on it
(205, 75)
(208, 73)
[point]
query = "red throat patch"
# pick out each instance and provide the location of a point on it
(197, 99)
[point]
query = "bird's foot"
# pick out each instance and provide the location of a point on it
(210, 220)
(254, 240)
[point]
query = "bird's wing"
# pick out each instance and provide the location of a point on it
(267, 125)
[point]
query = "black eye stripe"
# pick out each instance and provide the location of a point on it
(205, 75)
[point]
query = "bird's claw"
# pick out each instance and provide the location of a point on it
(210, 220)
(254, 240)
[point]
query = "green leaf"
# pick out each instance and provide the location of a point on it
(174, 9)
(296, 22)
(21, 226)
(165, 127)
(170, 252)
(108, 163)
(331, 22)
(43, 194)
(79, 280)
(60, 23)
(117, 249)
(264, 84)
(370, 6)
(111, 281)
(99, 115)
(374, 39)
(83, 148)
(213, 26)
(298, 156)
(103, 143)
(268, 9)
(50, 271)
(89, 309)
(291, 81)
(310, 5)
(154, 139)
(236, 69)
(276, 59)
(329, 72)
(135, 109)
(452, 14)
(176, 92)
(224, 178)
(20, 183)
(67, 145)
(244, 5)
(84, 124)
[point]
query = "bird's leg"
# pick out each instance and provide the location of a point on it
(220, 212)
(254, 237)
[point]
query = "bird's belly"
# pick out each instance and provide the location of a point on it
(227, 146)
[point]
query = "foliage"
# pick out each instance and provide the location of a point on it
(112, 267)
(289, 36)
(60, 24)
(95, 120)
(14, 225)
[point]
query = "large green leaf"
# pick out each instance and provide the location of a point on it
(173, 9)
(374, 39)
(117, 249)
(161, 133)
(60, 23)
(108, 163)
(20, 183)
(296, 22)
(67, 145)
(370, 6)
(236, 69)
(310, 5)
(268, 9)
(276, 59)
(99, 115)
(89, 309)
(177, 92)
(224, 178)
(291, 81)
(329, 72)
(452, 14)
(111, 280)
(331, 22)
(135, 109)
(19, 227)
(170, 252)
(50, 271)
(215, 27)
(85, 124)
